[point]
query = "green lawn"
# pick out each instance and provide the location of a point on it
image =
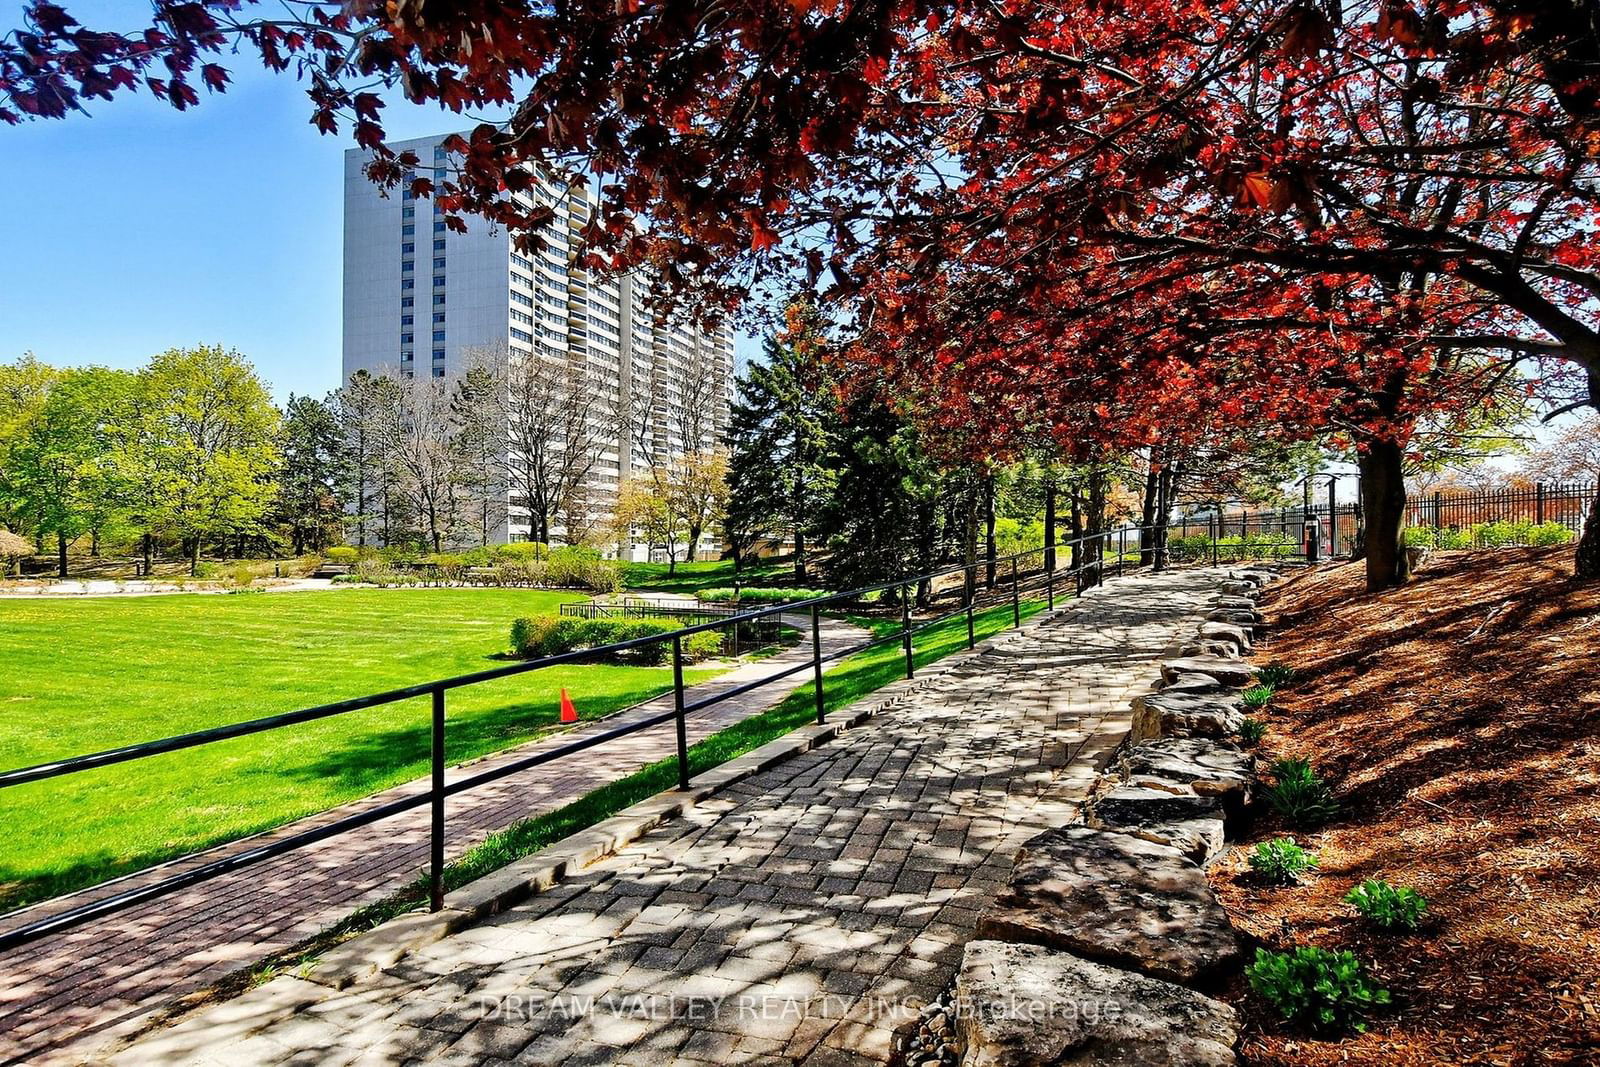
(83, 675)
(687, 577)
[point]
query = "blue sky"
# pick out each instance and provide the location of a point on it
(138, 228)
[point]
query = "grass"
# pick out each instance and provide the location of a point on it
(89, 674)
(687, 577)
(856, 677)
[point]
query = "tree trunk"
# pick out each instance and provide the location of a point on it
(94, 544)
(1050, 525)
(61, 554)
(194, 555)
(989, 547)
(149, 554)
(1586, 563)
(1152, 489)
(1158, 538)
(1383, 488)
(694, 543)
(798, 525)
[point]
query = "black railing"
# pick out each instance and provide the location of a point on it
(1093, 551)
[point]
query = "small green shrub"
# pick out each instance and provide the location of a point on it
(1419, 537)
(1251, 731)
(1452, 538)
(1300, 795)
(1549, 533)
(532, 551)
(1276, 675)
(702, 646)
(341, 554)
(529, 634)
(1281, 861)
(1257, 696)
(1388, 907)
(1327, 991)
(208, 570)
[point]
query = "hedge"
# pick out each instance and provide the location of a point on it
(1488, 535)
(756, 594)
(551, 635)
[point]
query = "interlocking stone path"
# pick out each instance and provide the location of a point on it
(109, 975)
(799, 916)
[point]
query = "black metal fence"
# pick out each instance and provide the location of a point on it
(1038, 566)
(736, 632)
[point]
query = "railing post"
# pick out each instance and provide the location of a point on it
(816, 663)
(1538, 503)
(1122, 548)
(436, 829)
(1050, 584)
(905, 623)
(971, 589)
(677, 707)
(1016, 596)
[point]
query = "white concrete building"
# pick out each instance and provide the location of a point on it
(420, 299)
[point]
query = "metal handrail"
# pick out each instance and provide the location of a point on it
(1086, 575)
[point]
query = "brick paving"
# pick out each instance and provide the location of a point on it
(799, 916)
(109, 976)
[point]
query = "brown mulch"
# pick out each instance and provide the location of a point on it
(1459, 722)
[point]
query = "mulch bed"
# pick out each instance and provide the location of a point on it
(1459, 722)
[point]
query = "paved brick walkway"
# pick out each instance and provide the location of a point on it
(799, 916)
(108, 976)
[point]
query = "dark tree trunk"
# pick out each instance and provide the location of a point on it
(969, 543)
(1152, 489)
(149, 554)
(1158, 534)
(1383, 490)
(1094, 521)
(94, 544)
(194, 555)
(1076, 559)
(61, 554)
(1050, 525)
(1586, 562)
(989, 547)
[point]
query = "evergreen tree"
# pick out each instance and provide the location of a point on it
(308, 489)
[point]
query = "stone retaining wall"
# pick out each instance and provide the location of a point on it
(1106, 941)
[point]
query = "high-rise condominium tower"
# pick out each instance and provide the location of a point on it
(422, 300)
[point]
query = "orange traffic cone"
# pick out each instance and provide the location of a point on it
(568, 712)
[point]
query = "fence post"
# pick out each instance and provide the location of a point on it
(816, 661)
(436, 830)
(1122, 547)
(677, 707)
(1050, 583)
(1538, 503)
(905, 625)
(1215, 538)
(1016, 597)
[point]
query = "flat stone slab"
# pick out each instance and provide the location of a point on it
(1210, 768)
(1237, 616)
(1164, 811)
(1117, 898)
(1027, 1006)
(1226, 671)
(1204, 711)
(1222, 649)
(1240, 587)
(1222, 631)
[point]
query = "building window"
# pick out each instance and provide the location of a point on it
(408, 264)
(438, 298)
(438, 244)
(406, 301)
(407, 230)
(438, 280)
(438, 227)
(407, 283)
(438, 335)
(438, 372)
(438, 263)
(438, 316)
(405, 320)
(406, 357)
(407, 249)
(438, 355)
(409, 211)
(407, 194)
(405, 338)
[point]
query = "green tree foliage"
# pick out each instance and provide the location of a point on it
(308, 505)
(23, 388)
(783, 428)
(206, 445)
(61, 466)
